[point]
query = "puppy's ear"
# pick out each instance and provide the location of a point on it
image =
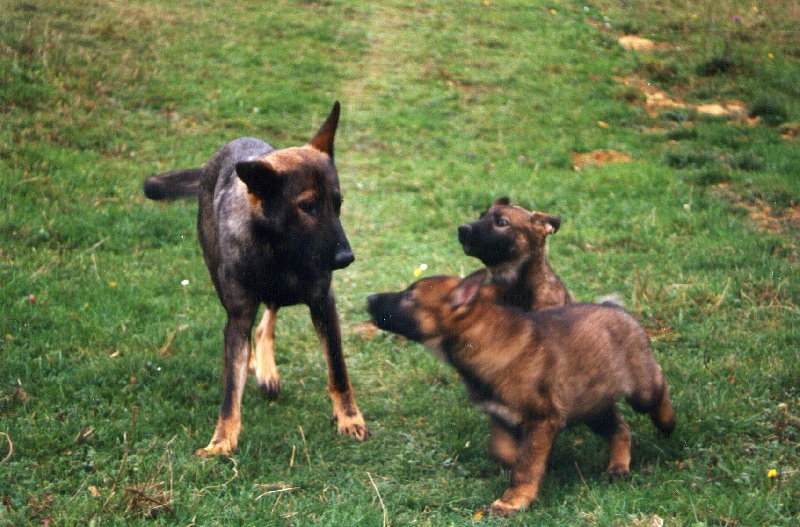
(505, 201)
(549, 223)
(323, 141)
(467, 290)
(261, 179)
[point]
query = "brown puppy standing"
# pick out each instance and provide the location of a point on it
(534, 373)
(270, 232)
(510, 241)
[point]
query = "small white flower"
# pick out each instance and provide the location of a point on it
(184, 283)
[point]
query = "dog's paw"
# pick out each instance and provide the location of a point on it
(270, 387)
(219, 448)
(618, 472)
(354, 427)
(503, 509)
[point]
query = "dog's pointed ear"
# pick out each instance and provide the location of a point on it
(548, 222)
(323, 141)
(505, 201)
(468, 289)
(261, 179)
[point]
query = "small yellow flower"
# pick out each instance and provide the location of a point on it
(417, 271)
(694, 17)
(552, 11)
(770, 55)
(772, 473)
(602, 124)
(755, 9)
(112, 285)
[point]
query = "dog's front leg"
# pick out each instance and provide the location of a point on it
(345, 411)
(262, 362)
(234, 375)
(529, 467)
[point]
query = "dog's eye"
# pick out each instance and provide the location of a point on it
(309, 207)
(501, 222)
(407, 297)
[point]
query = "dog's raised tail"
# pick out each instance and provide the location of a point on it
(173, 185)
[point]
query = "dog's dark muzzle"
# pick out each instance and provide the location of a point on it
(342, 253)
(386, 313)
(465, 236)
(344, 257)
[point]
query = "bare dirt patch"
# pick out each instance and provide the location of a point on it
(658, 100)
(637, 43)
(364, 330)
(598, 158)
(762, 213)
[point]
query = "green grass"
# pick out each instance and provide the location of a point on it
(109, 373)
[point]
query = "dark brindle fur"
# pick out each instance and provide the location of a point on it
(510, 241)
(270, 232)
(534, 373)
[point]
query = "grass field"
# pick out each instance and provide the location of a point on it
(112, 335)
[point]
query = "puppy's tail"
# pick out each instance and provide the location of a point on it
(613, 300)
(174, 184)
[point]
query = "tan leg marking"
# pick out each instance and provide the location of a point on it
(262, 360)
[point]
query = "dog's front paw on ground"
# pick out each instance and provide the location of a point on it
(354, 427)
(220, 448)
(270, 387)
(618, 472)
(504, 509)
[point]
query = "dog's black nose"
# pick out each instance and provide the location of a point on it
(371, 299)
(343, 259)
(464, 232)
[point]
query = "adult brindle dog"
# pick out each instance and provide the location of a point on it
(270, 233)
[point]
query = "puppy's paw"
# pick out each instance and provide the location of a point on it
(504, 509)
(618, 472)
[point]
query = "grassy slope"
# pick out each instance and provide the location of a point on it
(446, 107)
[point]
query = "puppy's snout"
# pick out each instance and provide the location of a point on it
(371, 300)
(373, 307)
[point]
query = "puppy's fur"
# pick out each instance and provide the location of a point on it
(270, 232)
(534, 373)
(510, 241)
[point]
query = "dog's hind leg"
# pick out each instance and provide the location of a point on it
(662, 414)
(616, 431)
(262, 361)
(345, 411)
(234, 375)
